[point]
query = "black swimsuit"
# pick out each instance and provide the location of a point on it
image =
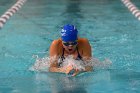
(79, 57)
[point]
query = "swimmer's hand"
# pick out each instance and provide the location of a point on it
(76, 72)
(70, 70)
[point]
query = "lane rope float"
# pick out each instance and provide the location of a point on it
(10, 12)
(132, 8)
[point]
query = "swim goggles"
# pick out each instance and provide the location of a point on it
(70, 43)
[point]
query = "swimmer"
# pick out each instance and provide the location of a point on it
(69, 44)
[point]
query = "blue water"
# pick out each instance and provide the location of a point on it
(111, 29)
(4, 5)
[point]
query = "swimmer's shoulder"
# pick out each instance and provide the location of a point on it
(56, 47)
(82, 40)
(57, 42)
(83, 44)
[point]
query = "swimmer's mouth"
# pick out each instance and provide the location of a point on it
(70, 49)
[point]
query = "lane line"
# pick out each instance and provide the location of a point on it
(132, 8)
(10, 12)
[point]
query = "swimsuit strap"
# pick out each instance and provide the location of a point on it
(62, 56)
(79, 56)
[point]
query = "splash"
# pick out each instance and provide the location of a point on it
(42, 64)
(96, 63)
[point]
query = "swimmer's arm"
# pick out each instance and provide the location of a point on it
(54, 57)
(54, 68)
(87, 55)
(88, 68)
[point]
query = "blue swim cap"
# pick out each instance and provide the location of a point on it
(69, 33)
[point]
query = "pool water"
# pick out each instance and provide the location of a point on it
(113, 33)
(4, 5)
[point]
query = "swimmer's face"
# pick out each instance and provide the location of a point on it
(70, 46)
